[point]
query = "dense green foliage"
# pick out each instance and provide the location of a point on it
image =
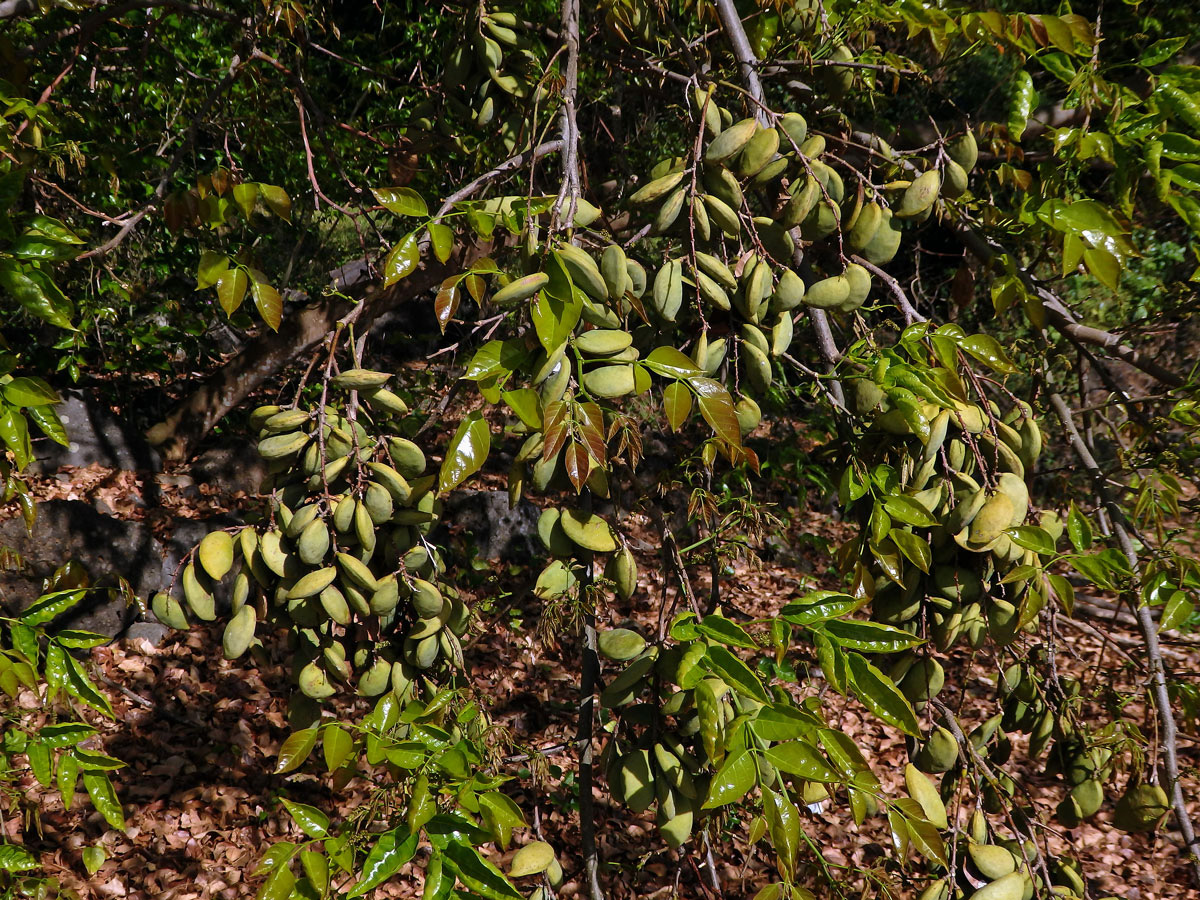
(909, 237)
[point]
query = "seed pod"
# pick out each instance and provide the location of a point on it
(789, 292)
(198, 594)
(521, 288)
(656, 189)
(700, 220)
(609, 382)
(357, 572)
(169, 611)
(711, 292)
(804, 197)
(920, 195)
(781, 334)
(724, 217)
(828, 293)
(376, 679)
(334, 603)
(603, 342)
(614, 267)
(239, 633)
(281, 446)
(858, 280)
(583, 271)
(588, 531)
(622, 571)
(670, 210)
(865, 226)
(793, 128)
(881, 249)
(759, 151)
(1010, 887)
(407, 457)
(717, 270)
(286, 420)
(315, 683)
(359, 379)
(954, 180)
(668, 290)
(378, 503)
(716, 355)
(385, 598)
(729, 142)
(722, 184)
(964, 151)
(749, 415)
(757, 367)
(216, 554)
(752, 335)
(364, 529)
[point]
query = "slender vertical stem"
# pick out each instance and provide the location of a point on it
(734, 30)
(1149, 629)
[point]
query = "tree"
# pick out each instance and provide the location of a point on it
(715, 216)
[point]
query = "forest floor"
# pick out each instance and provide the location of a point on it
(199, 735)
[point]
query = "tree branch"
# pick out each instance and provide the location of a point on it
(1148, 628)
(747, 61)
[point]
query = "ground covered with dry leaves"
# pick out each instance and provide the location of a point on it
(199, 735)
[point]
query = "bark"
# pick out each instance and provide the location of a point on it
(270, 352)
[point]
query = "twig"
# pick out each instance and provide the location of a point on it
(508, 166)
(1149, 629)
(747, 61)
(910, 312)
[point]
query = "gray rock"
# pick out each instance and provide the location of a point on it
(484, 518)
(233, 468)
(107, 547)
(97, 435)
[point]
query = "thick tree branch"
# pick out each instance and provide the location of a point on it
(1061, 317)
(1148, 628)
(270, 352)
(747, 61)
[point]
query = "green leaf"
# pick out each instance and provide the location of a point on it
(733, 780)
(393, 849)
(915, 548)
(48, 606)
(501, 815)
(467, 452)
(724, 631)
(881, 696)
(402, 201)
(780, 722)
(677, 404)
(1031, 537)
(1161, 51)
(104, 798)
(477, 873)
(37, 294)
(402, 260)
(279, 885)
(14, 431)
(987, 349)
(716, 405)
(336, 745)
(40, 762)
(671, 363)
(783, 820)
(441, 237)
(295, 749)
(245, 195)
(231, 289)
(803, 759)
(870, 637)
(268, 303)
(65, 734)
(95, 761)
(48, 422)
(737, 674)
(1178, 609)
(277, 200)
(1020, 103)
(16, 859)
(81, 688)
(527, 404)
(1079, 529)
(820, 606)
(93, 858)
(310, 820)
(496, 358)
(279, 854)
(909, 511)
(66, 778)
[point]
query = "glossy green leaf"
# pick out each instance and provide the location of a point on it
(93, 858)
(1177, 610)
(277, 200)
(48, 606)
(393, 849)
(733, 780)
(295, 749)
(65, 734)
(881, 696)
(736, 673)
(37, 294)
(716, 405)
(403, 201)
(402, 260)
(478, 873)
(309, 819)
(781, 722)
(671, 363)
(336, 746)
(467, 452)
(268, 302)
(441, 238)
(783, 822)
(245, 195)
(677, 404)
(14, 858)
(1020, 103)
(47, 420)
(723, 630)
(1079, 529)
(14, 431)
(801, 758)
(820, 606)
(915, 548)
(909, 511)
(1031, 537)
(870, 637)
(231, 289)
(104, 798)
